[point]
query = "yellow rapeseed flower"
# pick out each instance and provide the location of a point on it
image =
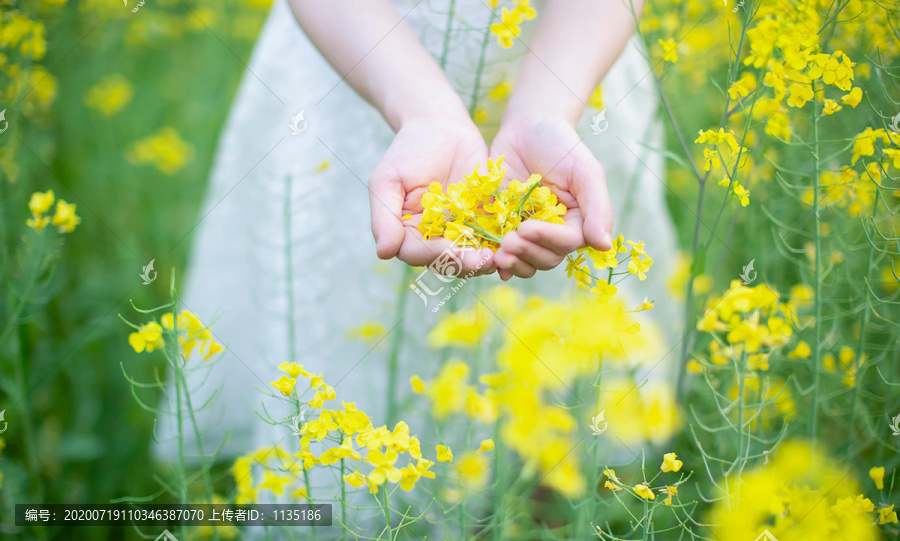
(284, 384)
(444, 453)
(644, 492)
(109, 95)
(164, 150)
(65, 218)
(671, 463)
(670, 50)
(877, 475)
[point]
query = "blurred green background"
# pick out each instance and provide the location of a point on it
(110, 78)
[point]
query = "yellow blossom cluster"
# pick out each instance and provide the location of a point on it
(784, 44)
(268, 468)
(548, 346)
(886, 513)
(758, 396)
(604, 288)
(23, 41)
(376, 449)
(167, 23)
(286, 383)
(508, 28)
(638, 415)
(450, 393)
(864, 145)
(849, 190)
(472, 471)
(713, 158)
(64, 217)
(846, 364)
(222, 530)
(109, 95)
(477, 210)
(23, 80)
(643, 490)
(750, 321)
(670, 50)
(164, 150)
(677, 281)
(192, 335)
(798, 494)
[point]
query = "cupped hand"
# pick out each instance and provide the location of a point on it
(552, 148)
(430, 149)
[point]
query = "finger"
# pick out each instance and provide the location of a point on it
(443, 257)
(478, 262)
(385, 205)
(589, 189)
(561, 239)
(514, 265)
(539, 257)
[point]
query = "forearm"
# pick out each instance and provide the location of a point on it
(377, 53)
(575, 44)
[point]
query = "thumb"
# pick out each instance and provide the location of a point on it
(589, 189)
(385, 205)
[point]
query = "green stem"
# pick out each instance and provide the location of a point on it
(526, 196)
(343, 497)
(21, 367)
(289, 278)
(499, 493)
(446, 47)
(473, 102)
(462, 518)
(309, 496)
(29, 288)
(689, 299)
(289, 268)
(394, 356)
(816, 272)
(387, 514)
(179, 387)
(860, 347)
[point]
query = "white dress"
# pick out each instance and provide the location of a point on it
(265, 194)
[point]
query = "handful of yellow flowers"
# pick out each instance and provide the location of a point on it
(477, 207)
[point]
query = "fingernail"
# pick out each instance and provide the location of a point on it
(607, 240)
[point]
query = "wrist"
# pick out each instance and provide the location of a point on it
(534, 118)
(535, 107)
(433, 103)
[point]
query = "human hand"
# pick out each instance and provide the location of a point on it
(428, 149)
(550, 147)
